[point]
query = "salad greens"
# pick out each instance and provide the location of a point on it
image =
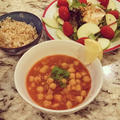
(76, 4)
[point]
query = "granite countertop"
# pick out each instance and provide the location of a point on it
(106, 106)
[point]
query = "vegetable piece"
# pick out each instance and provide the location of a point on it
(86, 29)
(77, 4)
(58, 74)
(105, 43)
(114, 13)
(116, 36)
(111, 21)
(51, 22)
(60, 21)
(92, 36)
(111, 5)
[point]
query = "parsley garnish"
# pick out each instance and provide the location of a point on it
(58, 74)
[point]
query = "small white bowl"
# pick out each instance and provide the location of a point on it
(54, 47)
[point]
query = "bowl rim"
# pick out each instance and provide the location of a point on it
(67, 111)
(2, 17)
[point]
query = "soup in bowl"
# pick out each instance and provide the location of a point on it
(52, 77)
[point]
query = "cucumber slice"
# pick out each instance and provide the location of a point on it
(61, 35)
(105, 43)
(51, 22)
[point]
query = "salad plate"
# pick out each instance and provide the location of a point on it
(50, 13)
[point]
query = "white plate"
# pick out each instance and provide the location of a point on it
(51, 32)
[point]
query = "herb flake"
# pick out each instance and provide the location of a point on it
(58, 74)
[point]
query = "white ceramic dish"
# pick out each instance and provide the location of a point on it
(53, 47)
(51, 10)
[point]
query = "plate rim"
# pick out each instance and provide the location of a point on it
(44, 13)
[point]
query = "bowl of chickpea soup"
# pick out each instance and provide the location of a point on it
(52, 77)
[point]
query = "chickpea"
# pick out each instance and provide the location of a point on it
(76, 63)
(71, 70)
(43, 83)
(71, 65)
(65, 90)
(79, 99)
(72, 82)
(55, 105)
(33, 84)
(86, 79)
(58, 97)
(52, 86)
(47, 103)
(83, 73)
(68, 87)
(40, 96)
(50, 91)
(64, 65)
(29, 88)
(78, 75)
(43, 62)
(50, 80)
(45, 77)
(78, 88)
(84, 85)
(83, 93)
(44, 69)
(37, 79)
(64, 80)
(49, 97)
(72, 75)
(36, 68)
(73, 88)
(78, 81)
(39, 89)
(31, 78)
(69, 104)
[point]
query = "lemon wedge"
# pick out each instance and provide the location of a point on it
(93, 50)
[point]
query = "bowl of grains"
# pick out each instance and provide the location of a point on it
(19, 31)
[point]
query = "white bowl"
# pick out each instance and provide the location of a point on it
(53, 47)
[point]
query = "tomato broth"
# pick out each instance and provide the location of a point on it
(58, 82)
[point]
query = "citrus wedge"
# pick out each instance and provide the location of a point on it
(93, 50)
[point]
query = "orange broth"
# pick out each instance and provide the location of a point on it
(47, 92)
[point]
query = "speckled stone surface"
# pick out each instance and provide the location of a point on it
(106, 105)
